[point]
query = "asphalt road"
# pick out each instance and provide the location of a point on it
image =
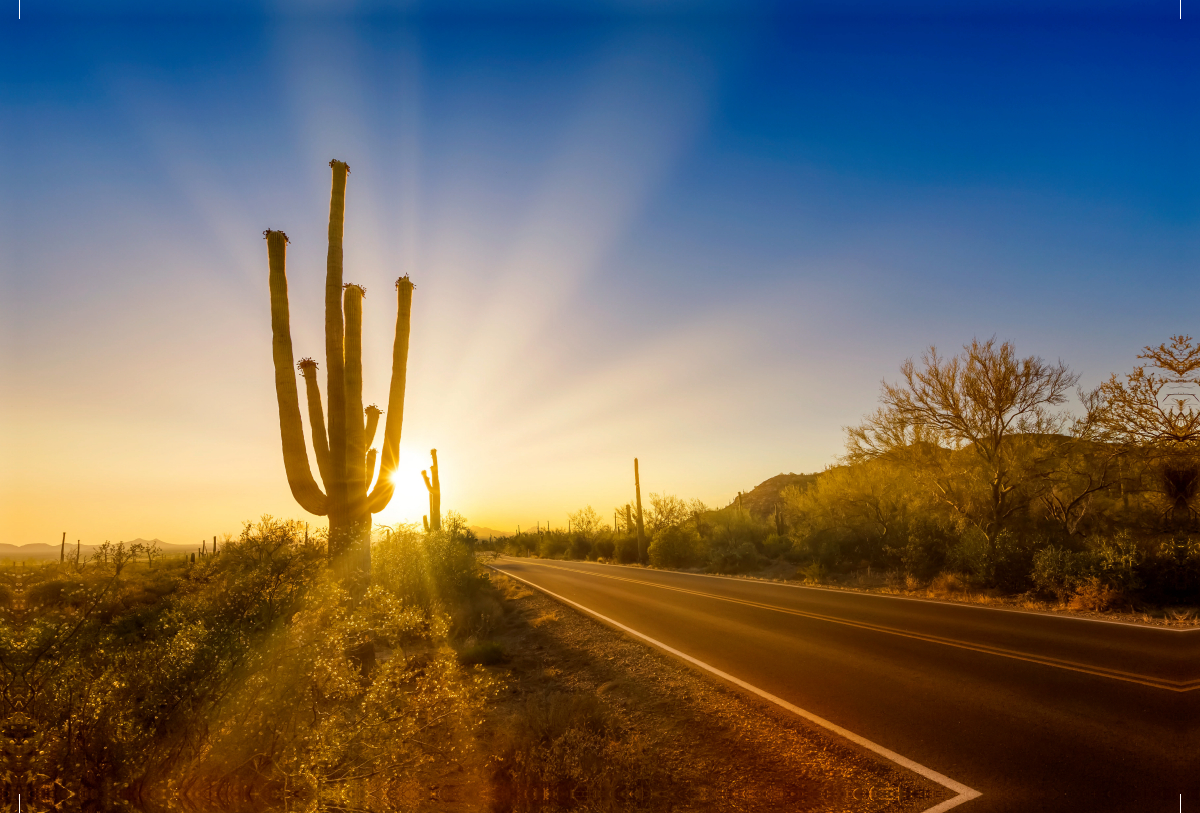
(1036, 712)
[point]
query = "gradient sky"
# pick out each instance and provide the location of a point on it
(658, 230)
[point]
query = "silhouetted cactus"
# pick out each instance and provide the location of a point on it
(641, 532)
(779, 525)
(434, 486)
(340, 438)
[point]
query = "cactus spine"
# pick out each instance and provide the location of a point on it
(340, 436)
(641, 533)
(434, 485)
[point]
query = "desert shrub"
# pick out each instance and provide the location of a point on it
(1118, 562)
(604, 548)
(1092, 593)
(728, 559)
(948, 584)
(1170, 572)
(673, 546)
(924, 547)
(580, 545)
(1056, 571)
(1010, 563)
(969, 556)
(812, 573)
(553, 545)
(424, 569)
(627, 549)
(486, 653)
(775, 546)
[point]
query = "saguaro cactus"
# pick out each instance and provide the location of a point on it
(641, 532)
(779, 524)
(340, 440)
(434, 485)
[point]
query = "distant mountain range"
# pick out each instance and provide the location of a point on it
(40, 550)
(483, 533)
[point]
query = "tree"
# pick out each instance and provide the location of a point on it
(1155, 417)
(978, 425)
(585, 521)
(666, 511)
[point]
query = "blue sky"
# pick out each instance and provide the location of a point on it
(665, 230)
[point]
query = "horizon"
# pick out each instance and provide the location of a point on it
(701, 241)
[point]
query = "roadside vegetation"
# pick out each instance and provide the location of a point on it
(973, 476)
(252, 674)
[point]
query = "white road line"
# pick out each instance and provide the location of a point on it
(944, 603)
(965, 793)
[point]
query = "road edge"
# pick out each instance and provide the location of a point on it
(964, 793)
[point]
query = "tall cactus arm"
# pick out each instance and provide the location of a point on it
(316, 416)
(335, 372)
(370, 464)
(356, 446)
(390, 457)
(373, 412)
(428, 485)
(291, 430)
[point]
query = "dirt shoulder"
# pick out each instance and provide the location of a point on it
(589, 718)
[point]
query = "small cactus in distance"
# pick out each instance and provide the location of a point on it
(434, 485)
(641, 532)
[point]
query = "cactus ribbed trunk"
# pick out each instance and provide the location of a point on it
(339, 508)
(641, 532)
(341, 434)
(434, 486)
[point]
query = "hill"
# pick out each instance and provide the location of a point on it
(760, 500)
(483, 533)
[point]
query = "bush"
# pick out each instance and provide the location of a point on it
(1056, 571)
(581, 546)
(485, 654)
(424, 569)
(775, 546)
(627, 549)
(604, 548)
(552, 546)
(734, 560)
(675, 547)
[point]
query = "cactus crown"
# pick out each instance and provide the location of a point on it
(335, 162)
(269, 232)
(361, 290)
(404, 280)
(373, 408)
(306, 365)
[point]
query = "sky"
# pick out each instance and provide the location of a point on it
(696, 233)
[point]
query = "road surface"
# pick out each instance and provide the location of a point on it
(1035, 712)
